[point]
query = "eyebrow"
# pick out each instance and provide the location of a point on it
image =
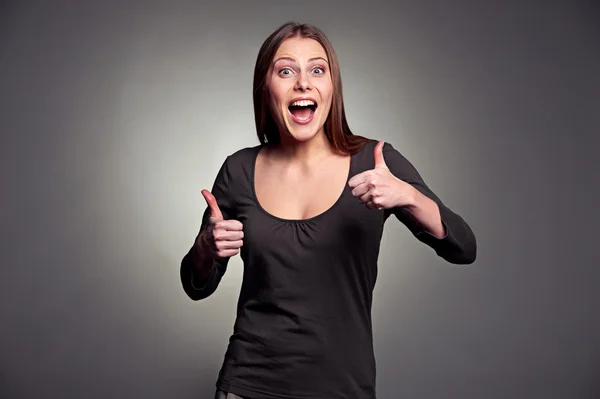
(293, 60)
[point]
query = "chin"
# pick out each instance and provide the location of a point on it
(303, 133)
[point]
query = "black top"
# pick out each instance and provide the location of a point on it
(303, 326)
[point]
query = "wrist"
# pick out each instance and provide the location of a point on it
(412, 199)
(201, 249)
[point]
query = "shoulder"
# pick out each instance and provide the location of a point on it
(243, 156)
(394, 158)
(241, 160)
(238, 166)
(367, 154)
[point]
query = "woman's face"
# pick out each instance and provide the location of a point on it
(300, 88)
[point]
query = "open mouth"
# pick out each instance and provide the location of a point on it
(302, 111)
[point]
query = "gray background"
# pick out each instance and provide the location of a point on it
(114, 115)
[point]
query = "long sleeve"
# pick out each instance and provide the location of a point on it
(459, 245)
(195, 287)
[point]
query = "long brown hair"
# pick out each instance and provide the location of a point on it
(336, 126)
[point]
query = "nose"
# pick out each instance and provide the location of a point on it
(303, 82)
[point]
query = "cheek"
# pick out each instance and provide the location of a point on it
(274, 106)
(328, 99)
(272, 98)
(327, 92)
(276, 98)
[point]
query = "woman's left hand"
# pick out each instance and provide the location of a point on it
(379, 189)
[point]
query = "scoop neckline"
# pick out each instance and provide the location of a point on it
(285, 220)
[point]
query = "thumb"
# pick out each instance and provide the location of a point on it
(211, 201)
(378, 153)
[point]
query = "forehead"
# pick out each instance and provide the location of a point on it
(300, 49)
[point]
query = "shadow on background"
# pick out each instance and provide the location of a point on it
(115, 115)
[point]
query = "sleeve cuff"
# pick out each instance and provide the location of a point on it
(439, 244)
(433, 237)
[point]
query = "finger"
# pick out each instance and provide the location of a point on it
(367, 197)
(378, 153)
(227, 253)
(361, 189)
(372, 195)
(225, 235)
(229, 225)
(372, 205)
(358, 179)
(211, 201)
(225, 245)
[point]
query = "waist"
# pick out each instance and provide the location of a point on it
(300, 363)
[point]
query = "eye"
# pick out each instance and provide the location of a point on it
(285, 71)
(319, 70)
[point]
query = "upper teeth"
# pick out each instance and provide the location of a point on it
(303, 103)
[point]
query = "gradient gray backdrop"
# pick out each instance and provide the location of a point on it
(114, 115)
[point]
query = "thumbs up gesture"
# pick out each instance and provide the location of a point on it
(378, 188)
(221, 238)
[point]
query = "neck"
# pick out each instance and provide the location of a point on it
(305, 152)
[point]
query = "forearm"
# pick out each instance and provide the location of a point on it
(426, 213)
(201, 260)
(200, 273)
(432, 223)
(440, 228)
(203, 266)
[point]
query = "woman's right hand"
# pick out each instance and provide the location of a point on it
(221, 238)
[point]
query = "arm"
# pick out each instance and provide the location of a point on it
(426, 216)
(201, 273)
(200, 270)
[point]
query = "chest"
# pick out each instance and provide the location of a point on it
(299, 193)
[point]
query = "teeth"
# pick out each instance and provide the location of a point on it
(302, 103)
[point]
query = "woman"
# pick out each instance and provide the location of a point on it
(307, 208)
